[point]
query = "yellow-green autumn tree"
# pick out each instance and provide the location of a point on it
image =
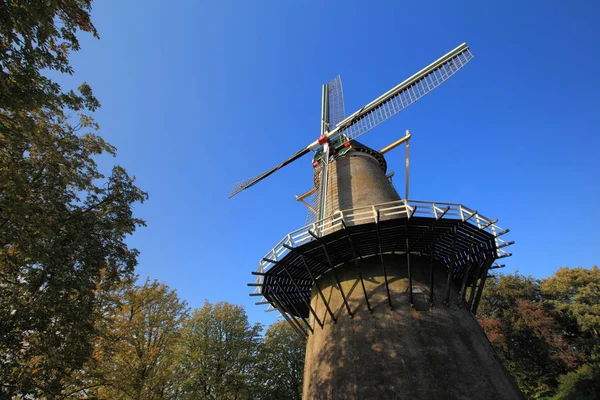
(135, 357)
(546, 331)
(218, 353)
(281, 363)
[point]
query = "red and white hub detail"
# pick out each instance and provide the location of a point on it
(331, 148)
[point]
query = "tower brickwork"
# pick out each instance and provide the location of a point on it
(415, 349)
(358, 179)
(405, 352)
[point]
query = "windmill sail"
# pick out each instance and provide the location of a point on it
(382, 108)
(238, 187)
(337, 111)
(404, 94)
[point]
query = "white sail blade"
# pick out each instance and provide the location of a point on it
(402, 95)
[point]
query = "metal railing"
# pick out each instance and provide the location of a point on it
(382, 212)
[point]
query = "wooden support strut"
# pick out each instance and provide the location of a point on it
(297, 289)
(284, 294)
(485, 254)
(309, 258)
(397, 143)
(324, 247)
(465, 276)
(306, 194)
(355, 255)
(315, 283)
(288, 317)
(451, 268)
(298, 328)
(284, 310)
(308, 206)
(474, 285)
(486, 267)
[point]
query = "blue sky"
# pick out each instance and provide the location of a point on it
(197, 95)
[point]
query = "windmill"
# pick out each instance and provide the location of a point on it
(383, 288)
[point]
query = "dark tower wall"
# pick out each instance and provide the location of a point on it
(399, 353)
(355, 180)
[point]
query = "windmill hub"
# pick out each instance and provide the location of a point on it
(323, 139)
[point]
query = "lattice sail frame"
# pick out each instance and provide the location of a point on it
(407, 96)
(337, 109)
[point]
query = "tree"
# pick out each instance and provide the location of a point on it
(35, 37)
(524, 331)
(575, 293)
(583, 384)
(63, 224)
(546, 331)
(504, 291)
(281, 363)
(134, 358)
(218, 353)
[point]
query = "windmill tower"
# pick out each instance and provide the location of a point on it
(384, 289)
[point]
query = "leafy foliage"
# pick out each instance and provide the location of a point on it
(63, 224)
(152, 348)
(281, 363)
(218, 352)
(134, 358)
(546, 331)
(576, 295)
(35, 37)
(583, 384)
